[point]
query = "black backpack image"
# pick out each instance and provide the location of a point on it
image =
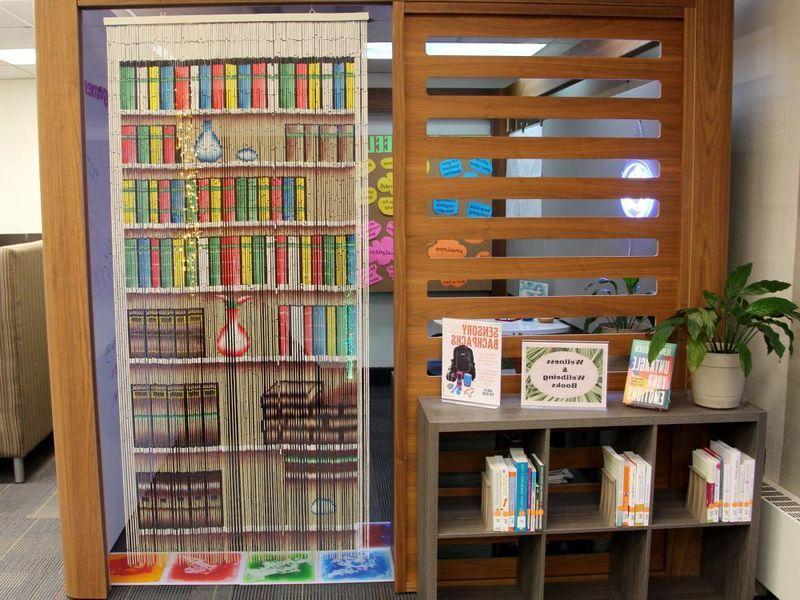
(463, 360)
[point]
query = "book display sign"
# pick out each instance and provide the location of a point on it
(648, 384)
(238, 164)
(471, 353)
(564, 375)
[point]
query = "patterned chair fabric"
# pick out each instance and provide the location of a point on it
(25, 414)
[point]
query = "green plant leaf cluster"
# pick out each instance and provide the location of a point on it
(607, 286)
(728, 322)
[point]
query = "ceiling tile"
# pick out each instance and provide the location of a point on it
(17, 37)
(11, 72)
(23, 9)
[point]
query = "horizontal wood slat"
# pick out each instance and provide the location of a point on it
(561, 565)
(422, 188)
(545, 107)
(517, 307)
(439, 147)
(422, 66)
(514, 228)
(619, 344)
(654, 9)
(421, 27)
(422, 269)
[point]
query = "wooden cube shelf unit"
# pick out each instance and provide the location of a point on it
(725, 553)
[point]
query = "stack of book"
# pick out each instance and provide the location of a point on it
(166, 333)
(294, 261)
(311, 143)
(316, 330)
(175, 415)
(513, 492)
(149, 145)
(285, 83)
(721, 483)
(179, 500)
(625, 492)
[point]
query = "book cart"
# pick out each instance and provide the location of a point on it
(722, 569)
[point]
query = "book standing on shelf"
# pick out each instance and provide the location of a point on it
(721, 484)
(648, 384)
(513, 492)
(627, 481)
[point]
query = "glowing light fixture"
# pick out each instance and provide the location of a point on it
(18, 56)
(637, 208)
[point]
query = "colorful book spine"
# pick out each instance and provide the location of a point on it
(194, 87)
(319, 326)
(164, 201)
(217, 85)
(231, 89)
(203, 200)
(273, 85)
(156, 145)
(231, 263)
(128, 134)
(287, 85)
(153, 200)
(305, 259)
(258, 260)
(316, 260)
(283, 330)
(280, 260)
(330, 330)
(190, 276)
(349, 85)
(351, 329)
(259, 90)
(338, 85)
(215, 199)
(205, 87)
(294, 142)
(182, 87)
(252, 199)
(127, 88)
(142, 201)
(308, 331)
(155, 263)
(301, 85)
(244, 86)
(288, 199)
(178, 263)
(165, 247)
(203, 267)
(177, 201)
(329, 260)
(341, 260)
(167, 88)
(214, 261)
(142, 93)
(327, 85)
(241, 198)
(170, 152)
(276, 198)
(314, 86)
(128, 201)
(142, 144)
(341, 330)
(228, 200)
(351, 260)
(131, 263)
(154, 102)
(191, 201)
(246, 259)
(300, 198)
(263, 199)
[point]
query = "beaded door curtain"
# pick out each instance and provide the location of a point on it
(238, 146)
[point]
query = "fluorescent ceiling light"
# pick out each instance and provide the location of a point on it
(383, 50)
(18, 56)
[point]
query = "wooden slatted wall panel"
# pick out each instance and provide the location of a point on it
(415, 107)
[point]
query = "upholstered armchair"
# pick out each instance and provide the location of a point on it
(25, 417)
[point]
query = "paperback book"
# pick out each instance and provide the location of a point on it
(471, 353)
(648, 384)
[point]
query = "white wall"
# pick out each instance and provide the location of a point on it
(764, 205)
(20, 204)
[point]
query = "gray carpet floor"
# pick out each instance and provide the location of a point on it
(30, 542)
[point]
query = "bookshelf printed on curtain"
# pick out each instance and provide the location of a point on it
(238, 187)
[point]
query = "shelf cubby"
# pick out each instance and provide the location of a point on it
(717, 560)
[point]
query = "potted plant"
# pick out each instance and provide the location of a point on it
(604, 285)
(718, 334)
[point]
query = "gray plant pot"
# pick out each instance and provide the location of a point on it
(718, 381)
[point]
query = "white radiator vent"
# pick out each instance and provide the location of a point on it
(777, 549)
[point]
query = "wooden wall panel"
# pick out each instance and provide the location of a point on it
(669, 228)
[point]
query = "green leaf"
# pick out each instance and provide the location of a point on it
(745, 358)
(587, 324)
(631, 284)
(695, 352)
(661, 335)
(771, 307)
(713, 300)
(694, 323)
(765, 286)
(737, 279)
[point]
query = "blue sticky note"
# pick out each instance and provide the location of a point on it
(445, 207)
(471, 174)
(450, 167)
(481, 165)
(479, 209)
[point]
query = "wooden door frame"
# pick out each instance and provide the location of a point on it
(66, 257)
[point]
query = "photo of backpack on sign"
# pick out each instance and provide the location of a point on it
(473, 348)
